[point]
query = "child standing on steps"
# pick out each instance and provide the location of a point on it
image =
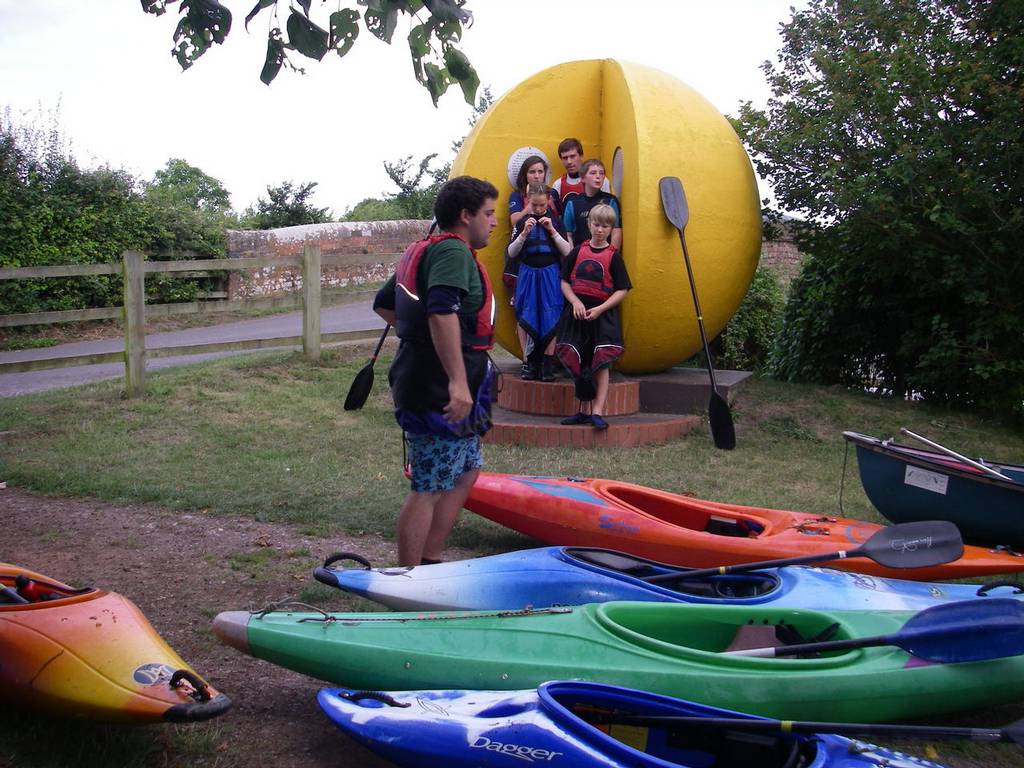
(594, 283)
(537, 249)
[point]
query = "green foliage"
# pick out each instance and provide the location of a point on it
(190, 211)
(374, 209)
(897, 128)
(438, 24)
(415, 197)
(746, 342)
(287, 206)
(58, 213)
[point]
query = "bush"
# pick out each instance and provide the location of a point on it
(747, 341)
(54, 212)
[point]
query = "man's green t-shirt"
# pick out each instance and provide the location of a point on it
(451, 263)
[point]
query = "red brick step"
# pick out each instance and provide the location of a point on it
(512, 428)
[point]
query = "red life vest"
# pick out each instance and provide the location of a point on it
(592, 272)
(410, 306)
(566, 187)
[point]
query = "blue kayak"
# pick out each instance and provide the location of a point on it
(559, 723)
(551, 576)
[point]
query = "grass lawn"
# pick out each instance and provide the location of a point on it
(266, 436)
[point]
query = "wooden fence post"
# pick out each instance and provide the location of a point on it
(134, 323)
(311, 301)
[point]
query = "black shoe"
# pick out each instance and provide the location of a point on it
(598, 422)
(527, 372)
(547, 368)
(577, 420)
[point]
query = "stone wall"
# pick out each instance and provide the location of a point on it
(386, 238)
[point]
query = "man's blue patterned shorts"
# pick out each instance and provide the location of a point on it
(438, 462)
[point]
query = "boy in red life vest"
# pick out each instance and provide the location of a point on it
(577, 210)
(594, 283)
(570, 152)
(442, 307)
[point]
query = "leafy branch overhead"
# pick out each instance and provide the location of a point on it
(436, 28)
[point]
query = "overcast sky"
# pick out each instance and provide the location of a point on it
(125, 102)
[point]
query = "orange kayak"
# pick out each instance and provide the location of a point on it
(680, 530)
(91, 654)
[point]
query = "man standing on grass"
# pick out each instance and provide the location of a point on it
(442, 307)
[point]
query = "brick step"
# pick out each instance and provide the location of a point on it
(512, 428)
(558, 398)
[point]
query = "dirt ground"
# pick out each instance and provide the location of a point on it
(181, 569)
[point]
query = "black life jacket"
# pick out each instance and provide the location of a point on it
(592, 272)
(539, 245)
(417, 377)
(410, 301)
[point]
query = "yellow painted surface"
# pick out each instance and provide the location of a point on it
(664, 128)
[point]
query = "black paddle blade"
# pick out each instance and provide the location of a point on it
(720, 418)
(360, 388)
(914, 545)
(1013, 732)
(361, 385)
(673, 201)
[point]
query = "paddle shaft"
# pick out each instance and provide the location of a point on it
(696, 305)
(722, 570)
(918, 544)
(955, 455)
(380, 344)
(673, 201)
(828, 645)
(791, 726)
(949, 633)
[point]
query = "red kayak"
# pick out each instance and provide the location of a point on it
(681, 530)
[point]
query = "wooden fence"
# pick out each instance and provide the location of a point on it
(134, 267)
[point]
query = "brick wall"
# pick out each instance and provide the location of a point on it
(386, 238)
(783, 258)
(378, 237)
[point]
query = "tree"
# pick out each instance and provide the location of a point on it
(192, 185)
(897, 128)
(436, 61)
(190, 209)
(287, 206)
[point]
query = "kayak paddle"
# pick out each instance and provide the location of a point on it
(363, 382)
(968, 630)
(10, 595)
(1013, 733)
(920, 544)
(673, 201)
(970, 462)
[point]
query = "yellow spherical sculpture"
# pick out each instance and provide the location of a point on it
(643, 124)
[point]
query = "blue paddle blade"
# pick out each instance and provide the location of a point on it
(968, 630)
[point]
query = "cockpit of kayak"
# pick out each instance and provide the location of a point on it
(740, 586)
(606, 712)
(694, 514)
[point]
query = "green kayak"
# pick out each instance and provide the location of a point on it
(662, 648)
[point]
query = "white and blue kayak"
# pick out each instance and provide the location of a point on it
(553, 576)
(582, 724)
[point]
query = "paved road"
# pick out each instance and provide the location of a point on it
(345, 317)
